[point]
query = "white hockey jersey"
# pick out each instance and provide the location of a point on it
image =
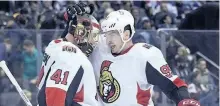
(66, 77)
(127, 79)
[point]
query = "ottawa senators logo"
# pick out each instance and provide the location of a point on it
(109, 88)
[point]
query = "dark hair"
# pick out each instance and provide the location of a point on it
(28, 43)
(128, 27)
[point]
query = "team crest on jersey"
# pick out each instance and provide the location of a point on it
(109, 88)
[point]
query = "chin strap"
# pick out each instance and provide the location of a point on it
(122, 47)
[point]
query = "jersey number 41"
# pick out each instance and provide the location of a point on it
(57, 77)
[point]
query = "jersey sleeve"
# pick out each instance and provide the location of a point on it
(158, 71)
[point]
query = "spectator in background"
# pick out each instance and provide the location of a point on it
(142, 35)
(107, 11)
(116, 5)
(127, 5)
(165, 6)
(137, 16)
(5, 83)
(172, 48)
(183, 9)
(162, 14)
(15, 36)
(201, 77)
(30, 12)
(101, 10)
(167, 22)
(184, 63)
(47, 21)
(148, 11)
(145, 24)
(30, 56)
(47, 16)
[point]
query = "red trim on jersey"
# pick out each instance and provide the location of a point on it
(55, 96)
(57, 41)
(96, 25)
(79, 97)
(40, 76)
(125, 51)
(143, 96)
(179, 83)
(66, 16)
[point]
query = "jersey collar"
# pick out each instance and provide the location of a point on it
(123, 52)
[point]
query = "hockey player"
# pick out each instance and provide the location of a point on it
(67, 77)
(126, 72)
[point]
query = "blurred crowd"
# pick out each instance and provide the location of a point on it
(19, 21)
(49, 14)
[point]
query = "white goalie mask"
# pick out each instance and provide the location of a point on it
(87, 30)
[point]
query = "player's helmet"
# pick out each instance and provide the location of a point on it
(118, 20)
(87, 30)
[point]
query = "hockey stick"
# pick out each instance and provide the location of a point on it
(4, 67)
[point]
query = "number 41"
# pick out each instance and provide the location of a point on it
(57, 77)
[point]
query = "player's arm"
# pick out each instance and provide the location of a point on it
(159, 73)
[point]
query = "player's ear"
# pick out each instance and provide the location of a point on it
(126, 35)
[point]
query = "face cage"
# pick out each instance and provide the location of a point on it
(84, 35)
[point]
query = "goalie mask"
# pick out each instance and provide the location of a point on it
(87, 30)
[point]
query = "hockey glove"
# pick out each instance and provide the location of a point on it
(189, 102)
(72, 25)
(78, 9)
(72, 11)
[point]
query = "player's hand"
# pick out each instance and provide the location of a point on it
(189, 102)
(73, 10)
(86, 48)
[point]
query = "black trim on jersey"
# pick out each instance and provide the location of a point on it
(167, 86)
(41, 97)
(64, 39)
(48, 72)
(71, 92)
(179, 94)
(41, 94)
(156, 78)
